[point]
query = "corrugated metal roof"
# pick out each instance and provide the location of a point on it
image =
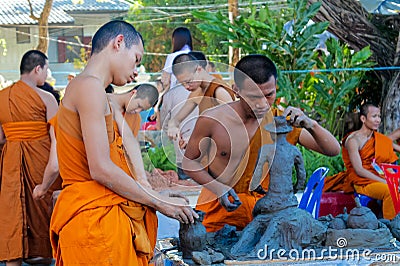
(17, 12)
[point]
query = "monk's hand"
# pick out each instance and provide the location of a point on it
(182, 143)
(175, 194)
(297, 118)
(173, 130)
(177, 208)
(39, 192)
(229, 205)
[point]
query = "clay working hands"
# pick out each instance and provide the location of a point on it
(177, 207)
(297, 118)
(227, 204)
(173, 130)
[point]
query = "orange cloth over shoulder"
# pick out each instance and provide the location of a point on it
(378, 146)
(209, 100)
(90, 223)
(24, 222)
(216, 216)
(133, 121)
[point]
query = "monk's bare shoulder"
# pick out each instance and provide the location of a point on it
(46, 97)
(222, 110)
(84, 90)
(354, 140)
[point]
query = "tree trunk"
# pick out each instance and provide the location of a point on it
(391, 105)
(43, 25)
(233, 10)
(352, 24)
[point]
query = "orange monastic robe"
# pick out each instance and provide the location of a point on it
(209, 100)
(133, 121)
(216, 216)
(378, 147)
(91, 224)
(24, 222)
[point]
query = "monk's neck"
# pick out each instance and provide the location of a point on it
(28, 81)
(96, 69)
(206, 81)
(366, 132)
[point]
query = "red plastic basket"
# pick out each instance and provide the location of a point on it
(392, 174)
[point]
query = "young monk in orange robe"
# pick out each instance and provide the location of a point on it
(359, 150)
(205, 90)
(228, 130)
(28, 164)
(100, 214)
(137, 97)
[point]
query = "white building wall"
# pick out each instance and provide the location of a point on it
(10, 60)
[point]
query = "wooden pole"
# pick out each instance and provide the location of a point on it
(233, 12)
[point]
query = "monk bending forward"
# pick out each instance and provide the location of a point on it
(102, 214)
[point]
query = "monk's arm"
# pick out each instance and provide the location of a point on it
(313, 136)
(396, 147)
(198, 147)
(51, 106)
(174, 122)
(222, 95)
(132, 148)
(356, 161)
(395, 135)
(91, 106)
(51, 171)
(165, 80)
(2, 136)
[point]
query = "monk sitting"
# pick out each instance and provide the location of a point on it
(360, 150)
(231, 135)
(101, 215)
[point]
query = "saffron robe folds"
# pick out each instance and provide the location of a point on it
(91, 224)
(24, 222)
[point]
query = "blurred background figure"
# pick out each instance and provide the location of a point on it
(176, 95)
(211, 69)
(49, 88)
(71, 76)
(181, 44)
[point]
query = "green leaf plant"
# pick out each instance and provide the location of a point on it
(290, 39)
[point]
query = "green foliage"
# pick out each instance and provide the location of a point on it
(81, 56)
(162, 157)
(287, 38)
(156, 26)
(313, 160)
(333, 91)
(263, 31)
(325, 95)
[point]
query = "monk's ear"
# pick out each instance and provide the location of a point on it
(363, 118)
(198, 68)
(132, 93)
(37, 68)
(235, 89)
(118, 41)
